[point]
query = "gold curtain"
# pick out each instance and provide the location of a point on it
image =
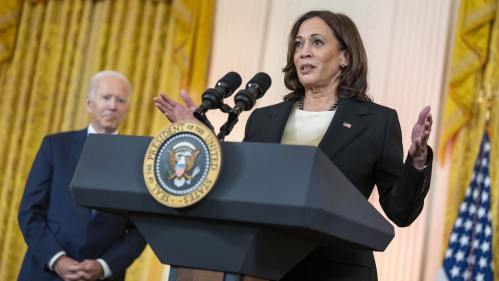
(59, 46)
(9, 18)
(474, 73)
(469, 57)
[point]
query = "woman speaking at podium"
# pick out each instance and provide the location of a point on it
(329, 107)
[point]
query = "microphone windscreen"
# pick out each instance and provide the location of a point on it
(233, 79)
(263, 80)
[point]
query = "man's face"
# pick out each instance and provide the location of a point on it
(109, 105)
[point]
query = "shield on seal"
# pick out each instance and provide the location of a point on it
(179, 169)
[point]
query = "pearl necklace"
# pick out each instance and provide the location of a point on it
(300, 105)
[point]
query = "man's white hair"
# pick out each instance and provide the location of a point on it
(105, 74)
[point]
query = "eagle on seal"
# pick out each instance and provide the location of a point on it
(182, 159)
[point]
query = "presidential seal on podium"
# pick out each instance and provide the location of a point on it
(182, 164)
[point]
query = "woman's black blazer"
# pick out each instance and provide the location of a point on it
(368, 153)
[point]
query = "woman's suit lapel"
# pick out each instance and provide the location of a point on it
(345, 127)
(278, 117)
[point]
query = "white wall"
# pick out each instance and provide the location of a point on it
(407, 47)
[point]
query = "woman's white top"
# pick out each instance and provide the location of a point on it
(306, 127)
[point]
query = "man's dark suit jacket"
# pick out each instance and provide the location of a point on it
(368, 153)
(51, 221)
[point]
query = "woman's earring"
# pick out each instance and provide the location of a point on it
(343, 67)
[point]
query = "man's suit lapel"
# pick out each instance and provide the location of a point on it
(274, 129)
(345, 127)
(77, 143)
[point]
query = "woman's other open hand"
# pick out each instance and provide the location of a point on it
(420, 135)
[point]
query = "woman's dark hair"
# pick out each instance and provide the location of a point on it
(353, 79)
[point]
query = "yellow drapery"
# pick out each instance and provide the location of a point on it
(158, 45)
(479, 79)
(9, 18)
(468, 59)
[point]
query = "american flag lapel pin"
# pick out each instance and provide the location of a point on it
(348, 125)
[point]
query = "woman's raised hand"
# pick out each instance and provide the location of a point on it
(175, 111)
(420, 135)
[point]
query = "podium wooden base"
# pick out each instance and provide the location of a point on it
(189, 274)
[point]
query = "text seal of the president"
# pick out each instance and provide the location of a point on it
(182, 164)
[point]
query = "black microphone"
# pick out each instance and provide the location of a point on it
(255, 89)
(245, 100)
(212, 98)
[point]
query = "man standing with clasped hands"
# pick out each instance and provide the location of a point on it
(64, 240)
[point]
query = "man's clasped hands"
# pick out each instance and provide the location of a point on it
(71, 270)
